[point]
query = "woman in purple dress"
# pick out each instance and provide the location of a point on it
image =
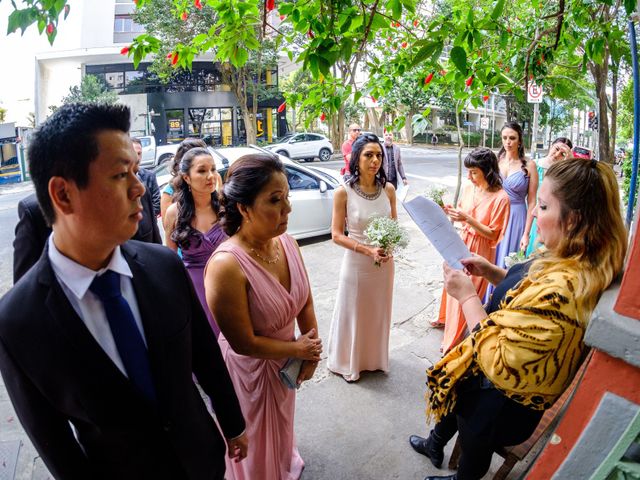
(191, 223)
(520, 181)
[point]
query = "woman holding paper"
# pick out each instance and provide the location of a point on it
(257, 288)
(494, 387)
(483, 211)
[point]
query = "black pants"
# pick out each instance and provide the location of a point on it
(394, 182)
(485, 420)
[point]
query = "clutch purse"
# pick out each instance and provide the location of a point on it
(290, 371)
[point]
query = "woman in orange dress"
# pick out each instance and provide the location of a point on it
(483, 211)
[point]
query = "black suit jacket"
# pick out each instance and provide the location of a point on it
(151, 184)
(56, 374)
(32, 232)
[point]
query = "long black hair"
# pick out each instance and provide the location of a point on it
(356, 150)
(245, 179)
(484, 159)
(518, 129)
(184, 199)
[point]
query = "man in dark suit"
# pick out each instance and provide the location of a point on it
(392, 162)
(100, 340)
(32, 230)
(148, 178)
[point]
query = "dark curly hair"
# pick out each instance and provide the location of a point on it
(521, 155)
(484, 159)
(245, 179)
(66, 144)
(182, 234)
(356, 150)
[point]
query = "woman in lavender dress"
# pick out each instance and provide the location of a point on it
(191, 223)
(520, 181)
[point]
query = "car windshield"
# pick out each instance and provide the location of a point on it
(581, 151)
(325, 176)
(284, 139)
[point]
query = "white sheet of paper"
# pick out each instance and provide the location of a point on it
(402, 191)
(434, 223)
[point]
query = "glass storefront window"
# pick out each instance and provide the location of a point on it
(134, 82)
(175, 126)
(115, 80)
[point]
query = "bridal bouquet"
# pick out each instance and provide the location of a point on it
(386, 233)
(513, 258)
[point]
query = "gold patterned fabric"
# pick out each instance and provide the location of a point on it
(530, 349)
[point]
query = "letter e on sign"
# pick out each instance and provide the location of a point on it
(534, 93)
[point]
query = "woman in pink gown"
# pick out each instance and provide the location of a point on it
(257, 286)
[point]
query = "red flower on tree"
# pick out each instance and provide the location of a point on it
(125, 50)
(310, 34)
(404, 44)
(50, 29)
(282, 17)
(485, 98)
(184, 16)
(416, 23)
(428, 78)
(282, 106)
(198, 4)
(323, 117)
(173, 56)
(270, 5)
(469, 81)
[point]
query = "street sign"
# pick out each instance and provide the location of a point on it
(467, 123)
(484, 123)
(534, 93)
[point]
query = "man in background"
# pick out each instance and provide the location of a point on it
(392, 162)
(354, 132)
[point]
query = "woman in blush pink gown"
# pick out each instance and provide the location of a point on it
(257, 287)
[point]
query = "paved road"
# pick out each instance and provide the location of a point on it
(344, 431)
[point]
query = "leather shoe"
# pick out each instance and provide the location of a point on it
(446, 477)
(425, 447)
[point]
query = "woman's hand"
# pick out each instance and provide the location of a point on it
(238, 447)
(378, 254)
(457, 283)
(524, 242)
(306, 371)
(477, 266)
(455, 214)
(308, 347)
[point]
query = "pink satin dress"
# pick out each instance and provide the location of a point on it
(268, 406)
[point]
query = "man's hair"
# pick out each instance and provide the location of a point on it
(136, 140)
(65, 144)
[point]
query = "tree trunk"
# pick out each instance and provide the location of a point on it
(337, 129)
(600, 76)
(408, 126)
(460, 147)
(614, 111)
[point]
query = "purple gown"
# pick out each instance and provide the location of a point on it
(195, 257)
(517, 187)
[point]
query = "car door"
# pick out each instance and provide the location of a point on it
(313, 143)
(310, 209)
(148, 151)
(296, 146)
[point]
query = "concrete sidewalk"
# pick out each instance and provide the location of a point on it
(344, 431)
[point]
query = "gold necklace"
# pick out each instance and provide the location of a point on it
(268, 261)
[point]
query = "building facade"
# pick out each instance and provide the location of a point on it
(198, 103)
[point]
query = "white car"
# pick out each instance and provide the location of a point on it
(303, 146)
(311, 190)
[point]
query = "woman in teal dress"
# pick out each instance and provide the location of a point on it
(560, 149)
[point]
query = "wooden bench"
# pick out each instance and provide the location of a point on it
(514, 454)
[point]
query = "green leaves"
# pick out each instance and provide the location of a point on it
(459, 58)
(497, 10)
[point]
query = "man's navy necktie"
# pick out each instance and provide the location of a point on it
(126, 334)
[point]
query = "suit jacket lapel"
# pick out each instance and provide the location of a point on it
(88, 350)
